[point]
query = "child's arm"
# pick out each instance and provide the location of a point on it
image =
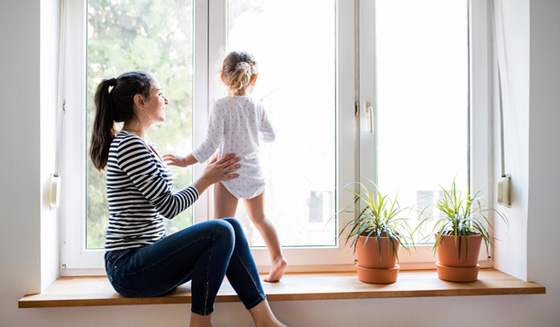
(214, 135)
(173, 160)
(267, 131)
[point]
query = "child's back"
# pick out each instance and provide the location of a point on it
(234, 126)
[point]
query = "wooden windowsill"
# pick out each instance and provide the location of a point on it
(96, 291)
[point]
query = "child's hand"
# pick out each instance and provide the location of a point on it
(173, 160)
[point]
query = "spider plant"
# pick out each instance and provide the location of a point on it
(380, 216)
(462, 216)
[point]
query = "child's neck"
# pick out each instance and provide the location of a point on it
(242, 93)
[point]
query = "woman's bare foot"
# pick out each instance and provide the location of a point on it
(263, 316)
(277, 270)
(200, 321)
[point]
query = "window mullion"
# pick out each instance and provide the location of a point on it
(367, 92)
(480, 73)
(202, 22)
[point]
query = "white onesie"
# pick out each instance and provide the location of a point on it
(234, 126)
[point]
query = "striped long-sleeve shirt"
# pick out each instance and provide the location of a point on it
(139, 194)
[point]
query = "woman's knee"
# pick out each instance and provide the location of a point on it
(239, 233)
(234, 223)
(223, 230)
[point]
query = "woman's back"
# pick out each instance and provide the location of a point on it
(138, 190)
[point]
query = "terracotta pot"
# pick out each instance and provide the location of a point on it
(458, 259)
(368, 255)
(457, 274)
(448, 251)
(378, 276)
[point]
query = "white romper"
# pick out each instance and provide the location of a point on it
(234, 126)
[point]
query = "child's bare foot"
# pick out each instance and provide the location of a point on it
(277, 270)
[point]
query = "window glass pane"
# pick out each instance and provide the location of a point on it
(294, 43)
(422, 89)
(147, 35)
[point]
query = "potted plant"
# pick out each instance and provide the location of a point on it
(459, 233)
(377, 231)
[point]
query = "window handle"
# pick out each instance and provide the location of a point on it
(370, 116)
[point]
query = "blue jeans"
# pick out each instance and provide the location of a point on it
(203, 253)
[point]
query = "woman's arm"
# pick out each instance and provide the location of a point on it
(135, 159)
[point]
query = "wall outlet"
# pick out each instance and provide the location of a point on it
(504, 190)
(54, 192)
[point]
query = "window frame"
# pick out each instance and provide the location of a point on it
(480, 118)
(75, 260)
(354, 78)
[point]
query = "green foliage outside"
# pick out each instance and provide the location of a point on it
(152, 35)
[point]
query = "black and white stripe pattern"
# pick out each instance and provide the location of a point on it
(139, 194)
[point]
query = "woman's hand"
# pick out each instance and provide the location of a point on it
(173, 160)
(218, 170)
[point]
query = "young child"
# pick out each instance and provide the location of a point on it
(234, 126)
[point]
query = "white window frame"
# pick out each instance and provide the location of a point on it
(75, 259)
(355, 19)
(479, 117)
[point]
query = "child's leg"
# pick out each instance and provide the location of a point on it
(255, 209)
(225, 204)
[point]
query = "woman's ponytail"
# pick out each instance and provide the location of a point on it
(103, 131)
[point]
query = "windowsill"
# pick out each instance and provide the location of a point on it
(96, 291)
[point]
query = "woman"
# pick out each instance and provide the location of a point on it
(140, 260)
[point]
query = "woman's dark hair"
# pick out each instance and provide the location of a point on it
(114, 102)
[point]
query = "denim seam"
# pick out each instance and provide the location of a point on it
(206, 295)
(207, 281)
(261, 295)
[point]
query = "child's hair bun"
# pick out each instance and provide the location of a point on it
(243, 66)
(238, 70)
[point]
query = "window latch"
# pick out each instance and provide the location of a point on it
(370, 117)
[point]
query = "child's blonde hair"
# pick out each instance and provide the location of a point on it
(239, 69)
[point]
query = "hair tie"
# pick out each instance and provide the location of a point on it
(112, 81)
(243, 65)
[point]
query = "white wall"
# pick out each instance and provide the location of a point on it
(512, 29)
(24, 169)
(544, 153)
(20, 201)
